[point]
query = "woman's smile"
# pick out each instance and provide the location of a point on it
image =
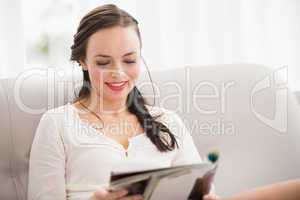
(117, 86)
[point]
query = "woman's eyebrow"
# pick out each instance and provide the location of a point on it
(107, 56)
(102, 55)
(130, 53)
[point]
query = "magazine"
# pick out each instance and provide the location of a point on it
(190, 182)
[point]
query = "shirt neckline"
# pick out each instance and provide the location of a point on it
(135, 137)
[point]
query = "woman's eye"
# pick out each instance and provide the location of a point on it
(102, 63)
(129, 61)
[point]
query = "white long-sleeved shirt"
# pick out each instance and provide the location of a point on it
(70, 160)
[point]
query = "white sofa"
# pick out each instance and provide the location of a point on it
(232, 111)
(297, 93)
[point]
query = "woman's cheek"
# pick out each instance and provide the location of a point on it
(133, 72)
(97, 76)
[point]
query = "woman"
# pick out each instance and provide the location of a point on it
(77, 145)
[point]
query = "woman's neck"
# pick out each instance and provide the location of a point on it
(105, 107)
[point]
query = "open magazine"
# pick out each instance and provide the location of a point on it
(190, 182)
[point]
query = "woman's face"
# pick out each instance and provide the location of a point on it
(113, 56)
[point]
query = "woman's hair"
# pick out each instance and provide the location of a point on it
(107, 16)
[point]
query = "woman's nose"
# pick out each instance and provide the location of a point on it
(118, 72)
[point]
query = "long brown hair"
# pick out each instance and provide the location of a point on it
(107, 16)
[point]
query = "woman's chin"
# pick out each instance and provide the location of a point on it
(116, 96)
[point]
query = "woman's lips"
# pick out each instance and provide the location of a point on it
(117, 86)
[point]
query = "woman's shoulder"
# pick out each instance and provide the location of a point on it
(57, 114)
(58, 110)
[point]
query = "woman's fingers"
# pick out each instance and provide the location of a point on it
(133, 197)
(116, 195)
(211, 197)
(106, 194)
(100, 194)
(103, 194)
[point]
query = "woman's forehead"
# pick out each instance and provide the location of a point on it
(113, 41)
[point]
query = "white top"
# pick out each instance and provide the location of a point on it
(70, 160)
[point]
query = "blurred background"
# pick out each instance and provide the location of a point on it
(175, 33)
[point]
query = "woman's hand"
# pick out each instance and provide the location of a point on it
(103, 194)
(211, 197)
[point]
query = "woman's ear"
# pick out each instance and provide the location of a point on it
(83, 65)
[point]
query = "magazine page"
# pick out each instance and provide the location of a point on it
(148, 181)
(191, 185)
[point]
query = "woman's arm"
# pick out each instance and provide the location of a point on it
(288, 190)
(187, 152)
(47, 163)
